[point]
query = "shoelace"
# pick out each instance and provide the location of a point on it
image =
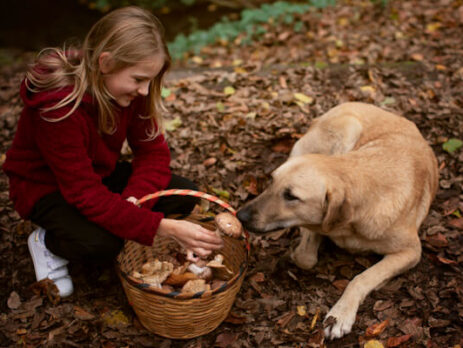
(54, 262)
(58, 273)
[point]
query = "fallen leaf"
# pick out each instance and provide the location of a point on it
(381, 305)
(303, 98)
(259, 277)
(14, 300)
(301, 311)
(315, 318)
(115, 318)
(285, 319)
(376, 329)
(458, 223)
(210, 161)
(229, 90)
(82, 314)
(446, 261)
(397, 341)
(172, 125)
(234, 318)
(368, 89)
(283, 146)
(340, 284)
(225, 339)
(373, 344)
(452, 145)
(438, 240)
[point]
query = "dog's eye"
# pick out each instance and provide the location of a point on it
(288, 195)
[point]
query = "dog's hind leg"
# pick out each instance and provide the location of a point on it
(305, 255)
(345, 310)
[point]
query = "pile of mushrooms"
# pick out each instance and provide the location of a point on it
(192, 274)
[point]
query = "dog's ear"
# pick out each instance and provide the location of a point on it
(337, 209)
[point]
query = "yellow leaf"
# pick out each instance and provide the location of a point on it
(432, 27)
(303, 98)
(440, 67)
(115, 318)
(301, 311)
(251, 115)
(221, 193)
(229, 90)
(315, 318)
(197, 60)
(240, 70)
(265, 105)
(343, 22)
(368, 89)
(172, 125)
(237, 62)
(373, 344)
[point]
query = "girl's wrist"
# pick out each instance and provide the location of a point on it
(165, 228)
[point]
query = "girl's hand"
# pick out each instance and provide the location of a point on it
(190, 236)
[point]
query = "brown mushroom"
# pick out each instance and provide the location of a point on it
(229, 225)
(194, 286)
(219, 270)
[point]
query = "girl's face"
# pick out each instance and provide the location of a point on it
(130, 82)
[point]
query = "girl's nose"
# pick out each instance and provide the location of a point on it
(144, 88)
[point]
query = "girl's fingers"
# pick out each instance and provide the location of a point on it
(202, 252)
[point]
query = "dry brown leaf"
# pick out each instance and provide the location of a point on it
(376, 329)
(397, 341)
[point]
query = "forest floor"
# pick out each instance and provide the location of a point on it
(234, 112)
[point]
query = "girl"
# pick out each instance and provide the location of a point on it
(63, 165)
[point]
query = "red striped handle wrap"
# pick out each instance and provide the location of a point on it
(193, 193)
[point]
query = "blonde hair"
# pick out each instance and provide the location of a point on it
(130, 35)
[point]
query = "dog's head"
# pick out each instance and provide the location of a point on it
(304, 192)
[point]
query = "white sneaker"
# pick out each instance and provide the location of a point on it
(48, 265)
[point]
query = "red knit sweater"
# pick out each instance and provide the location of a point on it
(71, 156)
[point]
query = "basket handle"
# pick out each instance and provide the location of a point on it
(185, 192)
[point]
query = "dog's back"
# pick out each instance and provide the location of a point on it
(365, 136)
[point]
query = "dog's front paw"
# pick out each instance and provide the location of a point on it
(338, 322)
(303, 260)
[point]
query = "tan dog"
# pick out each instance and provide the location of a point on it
(363, 177)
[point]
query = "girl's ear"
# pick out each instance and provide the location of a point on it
(105, 62)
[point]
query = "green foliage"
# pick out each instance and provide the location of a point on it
(452, 145)
(250, 25)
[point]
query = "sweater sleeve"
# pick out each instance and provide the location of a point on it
(150, 164)
(64, 145)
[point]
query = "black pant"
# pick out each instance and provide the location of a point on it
(70, 235)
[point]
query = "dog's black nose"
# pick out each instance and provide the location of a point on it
(244, 215)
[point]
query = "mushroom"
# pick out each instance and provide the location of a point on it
(201, 270)
(219, 270)
(180, 279)
(229, 225)
(194, 286)
(155, 272)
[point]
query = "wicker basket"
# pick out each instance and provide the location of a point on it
(176, 315)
